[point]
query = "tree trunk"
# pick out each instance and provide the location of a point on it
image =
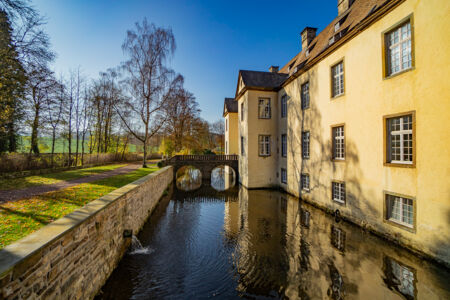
(34, 132)
(82, 147)
(12, 138)
(76, 150)
(53, 144)
(144, 164)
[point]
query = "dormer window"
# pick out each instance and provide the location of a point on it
(290, 67)
(337, 26)
(331, 40)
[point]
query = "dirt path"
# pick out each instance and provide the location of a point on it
(11, 195)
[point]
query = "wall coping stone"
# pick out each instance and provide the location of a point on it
(13, 254)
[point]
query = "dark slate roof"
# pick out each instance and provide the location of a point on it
(265, 80)
(230, 106)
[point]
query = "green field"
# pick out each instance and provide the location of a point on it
(61, 145)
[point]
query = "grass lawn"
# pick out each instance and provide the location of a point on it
(24, 182)
(22, 217)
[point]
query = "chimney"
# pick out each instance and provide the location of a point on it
(344, 5)
(273, 69)
(308, 34)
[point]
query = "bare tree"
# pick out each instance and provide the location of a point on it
(55, 108)
(149, 82)
(87, 117)
(40, 83)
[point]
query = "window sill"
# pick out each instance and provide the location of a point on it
(265, 155)
(399, 73)
(337, 96)
(306, 190)
(340, 202)
(400, 165)
(259, 118)
(338, 159)
(407, 227)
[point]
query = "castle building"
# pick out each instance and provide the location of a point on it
(358, 121)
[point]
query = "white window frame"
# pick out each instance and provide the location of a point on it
(338, 191)
(284, 106)
(283, 175)
(337, 79)
(399, 47)
(306, 144)
(284, 145)
(264, 145)
(401, 134)
(264, 109)
(338, 133)
(403, 203)
(305, 95)
(305, 182)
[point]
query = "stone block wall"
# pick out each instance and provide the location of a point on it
(72, 257)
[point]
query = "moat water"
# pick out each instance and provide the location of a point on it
(262, 244)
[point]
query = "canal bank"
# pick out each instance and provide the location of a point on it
(73, 256)
(265, 244)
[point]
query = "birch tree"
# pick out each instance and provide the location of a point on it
(148, 81)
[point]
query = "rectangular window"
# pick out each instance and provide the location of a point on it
(283, 175)
(305, 144)
(337, 79)
(400, 210)
(398, 49)
(284, 106)
(264, 145)
(226, 147)
(305, 217)
(399, 139)
(400, 278)
(338, 238)
(242, 146)
(338, 192)
(226, 124)
(283, 145)
(264, 108)
(305, 182)
(242, 111)
(338, 143)
(305, 95)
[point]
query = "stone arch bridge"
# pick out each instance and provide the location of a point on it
(205, 163)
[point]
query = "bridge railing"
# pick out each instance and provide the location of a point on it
(207, 157)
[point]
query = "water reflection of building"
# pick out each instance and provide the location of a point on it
(223, 178)
(282, 242)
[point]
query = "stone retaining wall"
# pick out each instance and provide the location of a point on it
(72, 257)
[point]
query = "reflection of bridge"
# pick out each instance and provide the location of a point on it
(205, 163)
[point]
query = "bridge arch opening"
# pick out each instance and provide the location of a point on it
(223, 177)
(188, 178)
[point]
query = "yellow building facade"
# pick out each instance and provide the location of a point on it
(358, 121)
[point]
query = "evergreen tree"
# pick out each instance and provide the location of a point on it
(12, 81)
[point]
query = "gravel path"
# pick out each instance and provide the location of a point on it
(12, 195)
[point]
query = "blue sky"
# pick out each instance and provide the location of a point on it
(215, 39)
